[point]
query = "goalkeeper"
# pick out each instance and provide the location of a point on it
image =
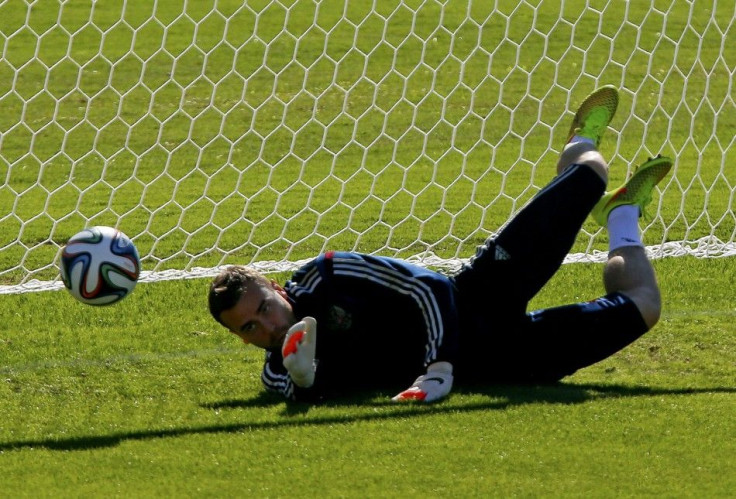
(347, 322)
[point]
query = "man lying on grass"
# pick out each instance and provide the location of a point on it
(347, 322)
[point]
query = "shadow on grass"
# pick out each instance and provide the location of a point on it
(500, 397)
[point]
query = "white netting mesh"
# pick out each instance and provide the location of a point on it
(265, 132)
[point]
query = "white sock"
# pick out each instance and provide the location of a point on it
(578, 138)
(623, 227)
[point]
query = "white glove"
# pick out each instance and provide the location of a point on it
(298, 352)
(429, 387)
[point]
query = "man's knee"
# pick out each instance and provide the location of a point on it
(649, 302)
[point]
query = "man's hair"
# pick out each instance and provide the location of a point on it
(229, 285)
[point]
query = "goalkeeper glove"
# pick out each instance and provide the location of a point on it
(300, 346)
(429, 387)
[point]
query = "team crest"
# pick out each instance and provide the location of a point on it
(339, 319)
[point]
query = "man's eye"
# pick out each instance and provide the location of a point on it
(249, 328)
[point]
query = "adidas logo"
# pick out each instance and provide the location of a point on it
(501, 254)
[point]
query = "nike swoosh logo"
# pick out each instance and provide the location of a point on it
(438, 380)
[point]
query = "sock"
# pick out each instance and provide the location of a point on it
(623, 227)
(578, 138)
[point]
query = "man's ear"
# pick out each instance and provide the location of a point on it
(278, 288)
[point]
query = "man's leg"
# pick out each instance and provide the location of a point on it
(571, 337)
(530, 249)
(628, 269)
(629, 272)
(540, 236)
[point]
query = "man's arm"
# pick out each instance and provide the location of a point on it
(298, 352)
(426, 296)
(430, 296)
(292, 374)
(386, 302)
(275, 377)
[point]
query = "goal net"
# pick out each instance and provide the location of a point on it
(265, 132)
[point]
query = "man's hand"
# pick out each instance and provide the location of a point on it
(429, 387)
(298, 352)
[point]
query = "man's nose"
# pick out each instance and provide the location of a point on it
(269, 325)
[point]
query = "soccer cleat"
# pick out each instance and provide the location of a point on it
(594, 114)
(636, 191)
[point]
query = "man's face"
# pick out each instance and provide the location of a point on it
(262, 316)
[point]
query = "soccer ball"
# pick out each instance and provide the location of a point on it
(100, 266)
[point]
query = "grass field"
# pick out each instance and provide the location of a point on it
(150, 398)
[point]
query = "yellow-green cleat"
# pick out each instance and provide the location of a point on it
(636, 191)
(594, 114)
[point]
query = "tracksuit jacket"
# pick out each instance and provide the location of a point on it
(380, 322)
